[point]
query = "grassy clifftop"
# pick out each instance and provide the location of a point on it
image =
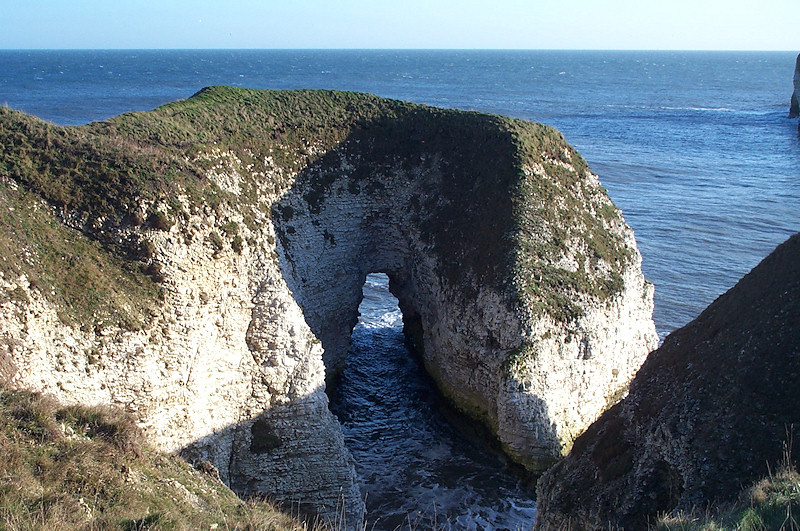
(514, 187)
(75, 467)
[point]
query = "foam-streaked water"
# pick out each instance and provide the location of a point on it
(420, 465)
(695, 147)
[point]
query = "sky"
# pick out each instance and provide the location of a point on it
(399, 24)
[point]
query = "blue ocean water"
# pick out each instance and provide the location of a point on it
(694, 147)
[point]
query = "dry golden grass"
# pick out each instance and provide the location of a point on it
(69, 468)
(773, 503)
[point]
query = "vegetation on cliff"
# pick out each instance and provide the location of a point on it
(771, 503)
(75, 467)
(514, 186)
(90, 284)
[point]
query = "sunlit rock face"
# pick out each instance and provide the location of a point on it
(518, 279)
(228, 371)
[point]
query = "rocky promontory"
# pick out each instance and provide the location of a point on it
(201, 265)
(794, 107)
(711, 411)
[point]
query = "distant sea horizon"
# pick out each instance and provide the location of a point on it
(657, 50)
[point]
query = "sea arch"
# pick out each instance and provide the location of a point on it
(517, 278)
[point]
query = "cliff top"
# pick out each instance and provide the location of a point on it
(515, 185)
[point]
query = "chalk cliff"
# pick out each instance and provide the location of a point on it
(794, 107)
(709, 412)
(201, 265)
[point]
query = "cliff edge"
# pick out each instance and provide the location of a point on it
(201, 265)
(709, 412)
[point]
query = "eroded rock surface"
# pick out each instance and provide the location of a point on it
(256, 217)
(709, 412)
(536, 369)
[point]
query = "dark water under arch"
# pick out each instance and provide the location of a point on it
(419, 463)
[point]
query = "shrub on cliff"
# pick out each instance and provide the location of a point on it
(159, 220)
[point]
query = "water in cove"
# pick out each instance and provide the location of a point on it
(421, 464)
(694, 147)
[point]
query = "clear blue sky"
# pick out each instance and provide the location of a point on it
(534, 24)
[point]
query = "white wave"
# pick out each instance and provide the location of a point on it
(701, 109)
(390, 319)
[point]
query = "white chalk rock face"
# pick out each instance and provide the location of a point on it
(519, 282)
(535, 378)
(228, 372)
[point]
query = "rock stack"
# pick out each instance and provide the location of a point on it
(794, 109)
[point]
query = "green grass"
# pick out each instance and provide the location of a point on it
(771, 504)
(70, 468)
(102, 177)
(89, 284)
(554, 210)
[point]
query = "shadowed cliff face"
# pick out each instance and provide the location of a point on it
(709, 412)
(194, 264)
(390, 198)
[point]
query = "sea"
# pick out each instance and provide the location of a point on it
(695, 147)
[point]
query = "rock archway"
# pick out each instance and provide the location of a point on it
(466, 213)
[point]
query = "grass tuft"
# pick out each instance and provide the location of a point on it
(771, 504)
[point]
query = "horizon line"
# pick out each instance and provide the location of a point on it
(355, 49)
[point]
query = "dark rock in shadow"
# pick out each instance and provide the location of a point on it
(272, 454)
(708, 413)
